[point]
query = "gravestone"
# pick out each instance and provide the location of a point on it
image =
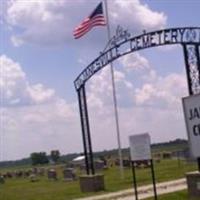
(35, 170)
(52, 175)
(126, 163)
(193, 183)
(69, 174)
(167, 155)
(33, 178)
(143, 164)
(92, 183)
(2, 180)
(99, 165)
(105, 162)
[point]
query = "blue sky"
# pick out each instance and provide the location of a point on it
(40, 60)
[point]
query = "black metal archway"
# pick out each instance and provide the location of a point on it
(122, 44)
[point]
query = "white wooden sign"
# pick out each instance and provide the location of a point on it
(191, 107)
(140, 147)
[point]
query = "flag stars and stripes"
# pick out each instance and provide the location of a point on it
(95, 19)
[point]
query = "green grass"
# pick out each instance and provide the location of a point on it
(169, 148)
(182, 195)
(23, 189)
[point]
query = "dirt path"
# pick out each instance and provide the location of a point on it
(143, 191)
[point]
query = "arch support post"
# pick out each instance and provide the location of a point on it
(89, 163)
(192, 64)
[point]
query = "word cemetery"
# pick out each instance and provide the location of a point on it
(122, 43)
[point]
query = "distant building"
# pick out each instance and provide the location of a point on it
(78, 161)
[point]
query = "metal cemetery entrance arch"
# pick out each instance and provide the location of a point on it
(122, 44)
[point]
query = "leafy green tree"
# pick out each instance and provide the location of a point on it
(39, 158)
(55, 155)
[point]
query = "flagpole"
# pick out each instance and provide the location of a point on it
(114, 97)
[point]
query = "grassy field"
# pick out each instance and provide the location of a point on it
(23, 189)
(182, 195)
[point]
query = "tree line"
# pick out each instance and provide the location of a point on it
(55, 156)
(41, 158)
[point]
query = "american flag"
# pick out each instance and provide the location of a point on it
(95, 19)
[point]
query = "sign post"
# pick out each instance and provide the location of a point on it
(140, 150)
(154, 180)
(134, 180)
(191, 107)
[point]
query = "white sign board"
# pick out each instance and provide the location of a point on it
(191, 107)
(140, 148)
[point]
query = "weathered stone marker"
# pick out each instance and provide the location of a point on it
(69, 174)
(52, 175)
(193, 182)
(92, 183)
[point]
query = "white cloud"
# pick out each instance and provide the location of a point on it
(39, 93)
(100, 89)
(134, 61)
(136, 15)
(153, 90)
(32, 117)
(150, 107)
(163, 91)
(16, 41)
(15, 88)
(162, 124)
(41, 127)
(50, 122)
(41, 22)
(52, 22)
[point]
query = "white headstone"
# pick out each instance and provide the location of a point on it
(191, 106)
(140, 147)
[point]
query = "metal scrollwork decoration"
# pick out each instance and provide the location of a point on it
(121, 44)
(121, 35)
(191, 35)
(193, 65)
